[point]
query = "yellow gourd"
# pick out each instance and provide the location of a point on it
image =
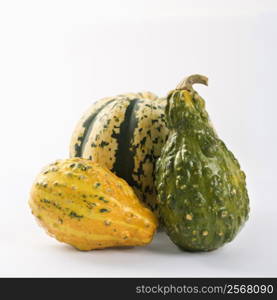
(85, 205)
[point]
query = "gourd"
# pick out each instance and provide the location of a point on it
(125, 134)
(85, 205)
(202, 194)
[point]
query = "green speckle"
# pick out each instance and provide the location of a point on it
(103, 199)
(103, 144)
(90, 205)
(45, 201)
(143, 141)
(82, 167)
(51, 202)
(103, 210)
(73, 214)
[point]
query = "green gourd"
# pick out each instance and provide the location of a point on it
(202, 195)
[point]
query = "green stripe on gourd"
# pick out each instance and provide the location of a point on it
(125, 134)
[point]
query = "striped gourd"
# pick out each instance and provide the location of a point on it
(85, 205)
(124, 133)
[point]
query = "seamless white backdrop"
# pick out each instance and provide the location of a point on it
(57, 57)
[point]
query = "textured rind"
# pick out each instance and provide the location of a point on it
(85, 205)
(125, 134)
(202, 193)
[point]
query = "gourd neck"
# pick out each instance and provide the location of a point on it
(185, 108)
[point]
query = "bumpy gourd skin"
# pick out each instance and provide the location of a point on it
(202, 193)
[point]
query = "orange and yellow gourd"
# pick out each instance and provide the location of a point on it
(85, 205)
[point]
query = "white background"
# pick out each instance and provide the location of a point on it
(57, 57)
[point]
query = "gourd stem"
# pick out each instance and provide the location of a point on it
(186, 84)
